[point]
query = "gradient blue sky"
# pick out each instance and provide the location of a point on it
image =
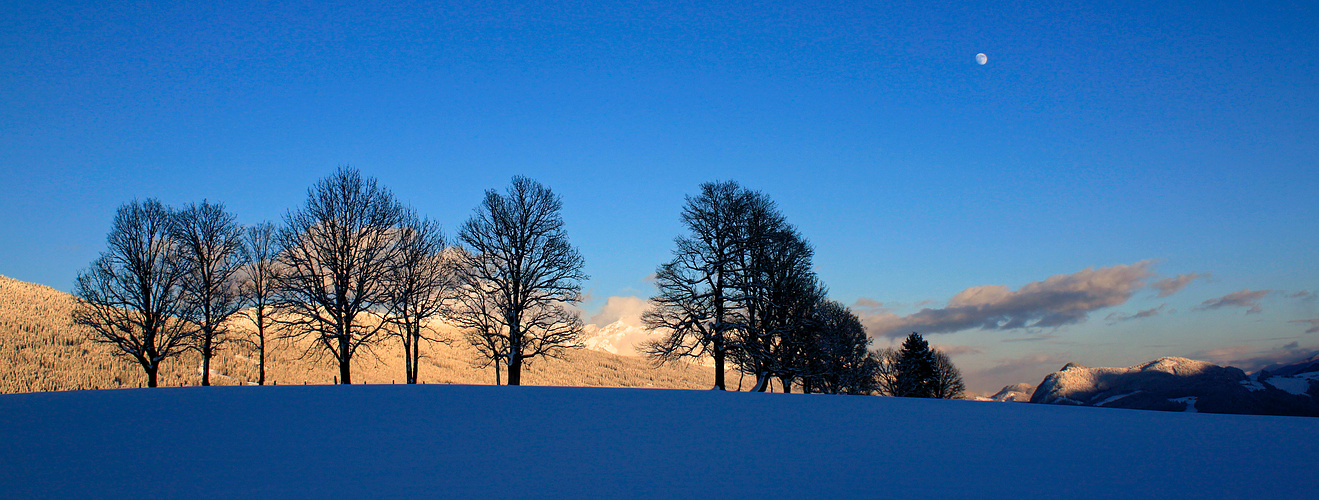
(1179, 137)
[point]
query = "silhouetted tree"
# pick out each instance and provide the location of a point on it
(837, 359)
(335, 252)
(886, 371)
(257, 282)
(475, 313)
(695, 305)
(778, 292)
(915, 377)
(519, 275)
(916, 370)
(210, 245)
(418, 286)
(947, 378)
(131, 296)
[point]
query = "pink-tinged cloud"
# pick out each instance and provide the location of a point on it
(1314, 324)
(1059, 300)
(1175, 284)
(868, 304)
(953, 350)
(1245, 298)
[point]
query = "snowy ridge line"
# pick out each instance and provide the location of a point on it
(1180, 384)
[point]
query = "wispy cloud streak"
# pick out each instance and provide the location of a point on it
(1245, 298)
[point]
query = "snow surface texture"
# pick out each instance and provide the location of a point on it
(556, 442)
(1294, 385)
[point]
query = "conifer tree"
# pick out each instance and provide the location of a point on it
(915, 377)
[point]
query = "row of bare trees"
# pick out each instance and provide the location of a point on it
(348, 269)
(353, 267)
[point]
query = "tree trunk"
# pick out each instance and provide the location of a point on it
(345, 359)
(407, 359)
(415, 356)
(496, 363)
(787, 385)
(762, 383)
(343, 373)
(514, 370)
(261, 367)
(151, 374)
(206, 359)
(719, 366)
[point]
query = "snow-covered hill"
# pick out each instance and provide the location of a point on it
(556, 442)
(1180, 384)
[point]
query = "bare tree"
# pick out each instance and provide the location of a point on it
(475, 313)
(778, 291)
(417, 289)
(694, 308)
(131, 296)
(335, 252)
(210, 245)
(257, 282)
(519, 275)
(886, 371)
(947, 378)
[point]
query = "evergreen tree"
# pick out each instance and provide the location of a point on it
(916, 374)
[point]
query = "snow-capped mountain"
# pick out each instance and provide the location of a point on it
(615, 338)
(1015, 393)
(1180, 384)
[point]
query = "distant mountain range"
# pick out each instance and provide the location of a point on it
(1180, 384)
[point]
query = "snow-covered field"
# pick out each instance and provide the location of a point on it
(513, 442)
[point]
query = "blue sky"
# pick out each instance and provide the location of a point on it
(1179, 138)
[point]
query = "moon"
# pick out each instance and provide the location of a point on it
(981, 58)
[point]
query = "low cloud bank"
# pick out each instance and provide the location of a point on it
(1248, 358)
(1059, 300)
